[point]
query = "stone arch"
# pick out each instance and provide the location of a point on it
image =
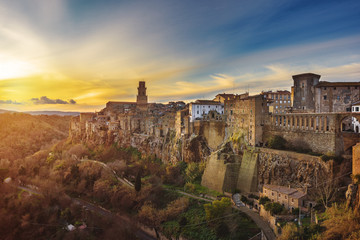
(346, 124)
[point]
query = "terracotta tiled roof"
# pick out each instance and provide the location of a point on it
(207, 102)
(337, 84)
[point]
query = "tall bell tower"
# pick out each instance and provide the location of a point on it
(141, 98)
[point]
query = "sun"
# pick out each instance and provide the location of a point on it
(13, 68)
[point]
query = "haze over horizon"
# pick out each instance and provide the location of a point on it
(77, 55)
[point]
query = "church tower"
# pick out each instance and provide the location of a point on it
(141, 99)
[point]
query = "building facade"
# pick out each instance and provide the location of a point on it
(312, 95)
(246, 117)
(201, 108)
(278, 102)
(290, 198)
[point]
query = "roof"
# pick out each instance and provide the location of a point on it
(280, 189)
(207, 102)
(277, 92)
(337, 84)
(306, 75)
(114, 102)
(355, 103)
(297, 195)
(224, 95)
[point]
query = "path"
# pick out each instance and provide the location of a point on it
(123, 181)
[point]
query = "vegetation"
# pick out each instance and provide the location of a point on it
(23, 134)
(263, 200)
(274, 208)
(277, 142)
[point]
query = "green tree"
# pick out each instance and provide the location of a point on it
(217, 208)
(264, 200)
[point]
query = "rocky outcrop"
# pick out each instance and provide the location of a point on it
(169, 148)
(288, 168)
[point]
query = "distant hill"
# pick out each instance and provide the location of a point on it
(60, 113)
(5, 111)
(23, 134)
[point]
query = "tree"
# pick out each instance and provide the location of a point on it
(217, 208)
(138, 181)
(264, 200)
(277, 142)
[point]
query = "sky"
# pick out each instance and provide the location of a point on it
(75, 55)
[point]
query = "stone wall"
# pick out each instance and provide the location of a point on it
(308, 140)
(213, 131)
(221, 172)
(286, 168)
(356, 159)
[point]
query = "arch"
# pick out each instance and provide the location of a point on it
(346, 124)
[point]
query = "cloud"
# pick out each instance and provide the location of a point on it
(46, 100)
(9, 102)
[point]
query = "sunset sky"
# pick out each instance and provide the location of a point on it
(75, 55)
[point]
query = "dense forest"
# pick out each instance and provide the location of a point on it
(24, 134)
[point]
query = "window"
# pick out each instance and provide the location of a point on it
(356, 109)
(325, 97)
(302, 85)
(338, 97)
(276, 97)
(324, 88)
(279, 195)
(272, 194)
(280, 97)
(197, 112)
(276, 107)
(289, 97)
(334, 88)
(280, 101)
(285, 196)
(292, 200)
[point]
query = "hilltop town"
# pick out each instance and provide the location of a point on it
(270, 144)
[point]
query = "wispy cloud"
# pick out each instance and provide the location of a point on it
(10, 102)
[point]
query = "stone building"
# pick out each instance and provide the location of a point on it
(290, 198)
(200, 108)
(312, 95)
(279, 101)
(304, 92)
(246, 117)
(355, 107)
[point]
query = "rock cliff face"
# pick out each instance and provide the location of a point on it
(289, 168)
(169, 148)
(254, 168)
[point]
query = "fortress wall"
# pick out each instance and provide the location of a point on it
(321, 142)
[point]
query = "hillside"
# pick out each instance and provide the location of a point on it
(24, 134)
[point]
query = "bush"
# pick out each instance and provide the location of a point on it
(274, 208)
(264, 200)
(190, 187)
(253, 196)
(277, 142)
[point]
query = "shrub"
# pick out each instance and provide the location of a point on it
(253, 196)
(264, 200)
(274, 208)
(190, 187)
(277, 142)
